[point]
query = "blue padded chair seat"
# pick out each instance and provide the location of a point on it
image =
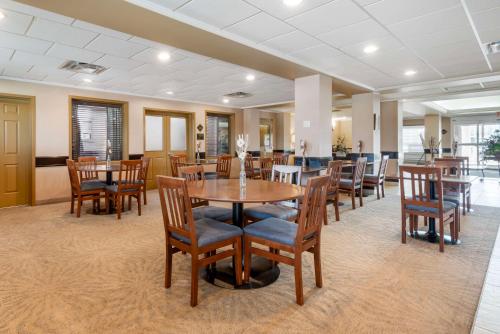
(453, 199)
(92, 185)
(209, 231)
(273, 229)
(447, 206)
(345, 183)
(213, 212)
(271, 211)
(114, 188)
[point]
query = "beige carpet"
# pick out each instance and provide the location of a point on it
(59, 274)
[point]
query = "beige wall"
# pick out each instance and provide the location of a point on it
(343, 128)
(52, 126)
(413, 122)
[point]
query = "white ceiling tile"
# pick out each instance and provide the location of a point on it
(151, 69)
(150, 55)
(50, 74)
(489, 35)
(34, 11)
(115, 46)
(495, 61)
(366, 2)
(5, 54)
(15, 22)
(13, 70)
(393, 11)
(453, 53)
(219, 13)
(354, 33)
(73, 53)
(260, 27)
(59, 32)
(170, 4)
(26, 58)
(328, 17)
(190, 64)
(118, 63)
(479, 5)
(486, 21)
(385, 44)
(438, 38)
(292, 42)
(100, 30)
(277, 9)
(152, 44)
(321, 55)
(462, 68)
(18, 42)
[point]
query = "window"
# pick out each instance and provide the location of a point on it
(217, 137)
(95, 127)
(470, 139)
(411, 138)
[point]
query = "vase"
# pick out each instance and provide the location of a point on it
(243, 175)
(108, 161)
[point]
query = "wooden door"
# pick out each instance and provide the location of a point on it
(155, 127)
(15, 152)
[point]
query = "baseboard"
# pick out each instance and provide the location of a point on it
(52, 201)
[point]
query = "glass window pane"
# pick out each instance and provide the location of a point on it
(411, 138)
(467, 134)
(154, 133)
(217, 139)
(178, 134)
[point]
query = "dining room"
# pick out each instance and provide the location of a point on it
(286, 166)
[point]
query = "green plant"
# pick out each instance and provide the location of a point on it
(492, 144)
(340, 147)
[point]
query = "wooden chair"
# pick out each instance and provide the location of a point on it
(420, 203)
(128, 185)
(249, 168)
(203, 237)
(223, 167)
(83, 191)
(87, 168)
(143, 177)
(355, 185)
(451, 193)
(377, 180)
(459, 166)
(176, 161)
(282, 210)
(266, 168)
(334, 171)
(281, 235)
(280, 159)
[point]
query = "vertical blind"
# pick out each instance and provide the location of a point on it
(217, 140)
(95, 124)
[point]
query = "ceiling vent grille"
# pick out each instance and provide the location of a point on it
(239, 95)
(493, 47)
(79, 67)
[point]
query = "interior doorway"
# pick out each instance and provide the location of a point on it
(166, 132)
(16, 150)
(266, 136)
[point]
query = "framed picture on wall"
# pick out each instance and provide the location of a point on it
(200, 136)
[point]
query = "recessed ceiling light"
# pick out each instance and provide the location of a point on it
(170, 92)
(87, 80)
(292, 3)
(250, 77)
(409, 73)
(163, 56)
(225, 100)
(2, 15)
(370, 49)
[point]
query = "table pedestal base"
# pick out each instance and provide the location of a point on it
(433, 238)
(262, 274)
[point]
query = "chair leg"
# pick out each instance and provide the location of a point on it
(237, 261)
(129, 203)
(325, 215)
(353, 199)
(248, 259)
(168, 267)
(378, 191)
(403, 228)
(119, 206)
(361, 196)
(415, 224)
(78, 207)
(441, 235)
(468, 201)
(452, 229)
(317, 264)
(463, 202)
(139, 203)
(72, 210)
(299, 293)
(144, 191)
(383, 189)
(336, 204)
(194, 280)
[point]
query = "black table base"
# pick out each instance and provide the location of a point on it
(433, 238)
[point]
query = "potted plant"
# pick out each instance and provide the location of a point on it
(492, 145)
(340, 149)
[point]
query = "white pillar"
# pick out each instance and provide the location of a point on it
(391, 135)
(251, 122)
(366, 124)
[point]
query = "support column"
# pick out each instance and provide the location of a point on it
(432, 125)
(366, 125)
(391, 135)
(446, 135)
(251, 122)
(313, 112)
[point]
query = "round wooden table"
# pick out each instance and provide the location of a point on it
(263, 271)
(101, 169)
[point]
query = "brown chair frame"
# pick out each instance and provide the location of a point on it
(357, 182)
(461, 169)
(194, 173)
(379, 184)
(266, 168)
(176, 161)
(87, 168)
(334, 171)
(143, 177)
(94, 195)
(223, 168)
(127, 185)
(178, 218)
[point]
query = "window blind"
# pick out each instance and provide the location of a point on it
(94, 125)
(217, 140)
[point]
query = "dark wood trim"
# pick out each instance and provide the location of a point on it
(50, 161)
(135, 156)
(391, 154)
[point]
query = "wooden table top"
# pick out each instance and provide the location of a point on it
(257, 191)
(100, 168)
(202, 162)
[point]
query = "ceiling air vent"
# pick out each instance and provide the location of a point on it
(238, 95)
(493, 47)
(79, 67)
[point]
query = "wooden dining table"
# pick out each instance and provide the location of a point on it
(102, 169)
(263, 272)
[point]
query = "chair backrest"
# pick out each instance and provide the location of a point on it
(87, 167)
(266, 168)
(334, 171)
(176, 208)
(464, 161)
(249, 170)
(130, 172)
(177, 161)
(73, 176)
(144, 170)
(313, 206)
(449, 166)
(223, 168)
(359, 170)
(280, 158)
(418, 179)
(286, 174)
(192, 173)
(383, 167)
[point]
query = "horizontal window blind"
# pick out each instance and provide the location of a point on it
(95, 126)
(217, 140)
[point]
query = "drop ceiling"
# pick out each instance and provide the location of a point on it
(484, 102)
(34, 43)
(439, 39)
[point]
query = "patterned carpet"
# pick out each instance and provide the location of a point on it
(59, 274)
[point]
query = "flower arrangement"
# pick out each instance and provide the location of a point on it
(109, 153)
(241, 150)
(340, 147)
(454, 148)
(198, 148)
(433, 146)
(303, 148)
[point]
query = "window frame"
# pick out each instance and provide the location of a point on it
(125, 132)
(231, 117)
